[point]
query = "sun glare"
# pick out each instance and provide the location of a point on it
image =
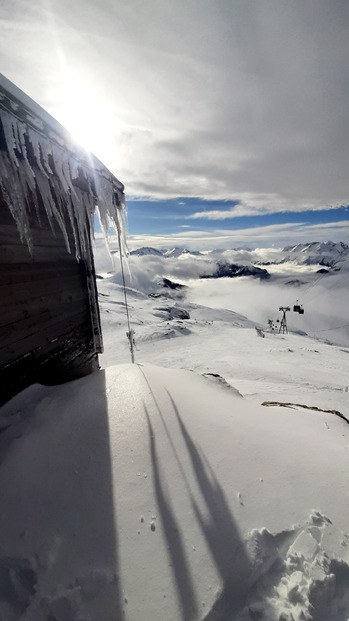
(90, 121)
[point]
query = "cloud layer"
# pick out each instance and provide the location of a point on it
(281, 234)
(238, 100)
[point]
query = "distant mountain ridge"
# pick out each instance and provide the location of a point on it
(231, 270)
(168, 254)
(313, 253)
(322, 253)
(146, 250)
(320, 247)
(235, 262)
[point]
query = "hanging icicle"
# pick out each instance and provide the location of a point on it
(37, 164)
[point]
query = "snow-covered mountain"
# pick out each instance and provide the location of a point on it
(321, 253)
(326, 254)
(141, 252)
(231, 270)
(178, 252)
(172, 253)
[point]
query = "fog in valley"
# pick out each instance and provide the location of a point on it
(323, 294)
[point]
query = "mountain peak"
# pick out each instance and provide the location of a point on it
(146, 250)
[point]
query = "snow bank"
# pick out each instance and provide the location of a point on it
(146, 493)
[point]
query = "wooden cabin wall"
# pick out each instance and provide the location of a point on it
(46, 331)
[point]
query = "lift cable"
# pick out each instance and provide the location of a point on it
(320, 292)
(313, 283)
(329, 329)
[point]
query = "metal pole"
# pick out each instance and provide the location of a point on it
(130, 332)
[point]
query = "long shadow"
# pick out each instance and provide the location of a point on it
(181, 572)
(168, 434)
(220, 532)
(56, 486)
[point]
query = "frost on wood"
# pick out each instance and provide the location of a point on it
(37, 169)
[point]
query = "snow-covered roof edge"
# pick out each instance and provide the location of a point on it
(39, 157)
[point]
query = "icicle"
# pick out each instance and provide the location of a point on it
(82, 225)
(15, 199)
(112, 211)
(58, 158)
(67, 171)
(30, 173)
(23, 177)
(7, 124)
(35, 143)
(51, 209)
(121, 214)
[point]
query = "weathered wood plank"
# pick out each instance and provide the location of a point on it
(46, 291)
(20, 254)
(30, 321)
(44, 341)
(37, 307)
(73, 361)
(16, 273)
(9, 235)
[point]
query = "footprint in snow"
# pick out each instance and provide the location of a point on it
(299, 573)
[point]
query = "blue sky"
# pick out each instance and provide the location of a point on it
(236, 108)
(183, 222)
(166, 216)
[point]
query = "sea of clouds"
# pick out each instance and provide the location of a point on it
(324, 297)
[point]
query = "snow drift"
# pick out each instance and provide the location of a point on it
(147, 493)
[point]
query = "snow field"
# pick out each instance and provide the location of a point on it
(141, 492)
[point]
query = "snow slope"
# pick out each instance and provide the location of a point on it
(146, 493)
(290, 367)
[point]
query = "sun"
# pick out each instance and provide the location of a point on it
(90, 120)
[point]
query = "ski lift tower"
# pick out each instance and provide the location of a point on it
(283, 324)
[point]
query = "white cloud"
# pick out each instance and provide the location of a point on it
(261, 237)
(260, 207)
(282, 234)
(343, 225)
